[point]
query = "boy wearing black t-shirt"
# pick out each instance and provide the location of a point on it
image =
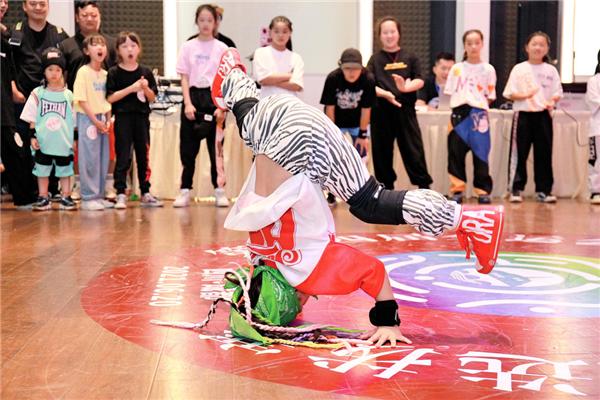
(348, 95)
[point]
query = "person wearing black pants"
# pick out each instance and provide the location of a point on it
(398, 76)
(534, 87)
(130, 87)
(192, 133)
(388, 124)
(132, 130)
(534, 128)
(14, 146)
(464, 137)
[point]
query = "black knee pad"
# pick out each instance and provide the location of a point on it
(241, 108)
(375, 205)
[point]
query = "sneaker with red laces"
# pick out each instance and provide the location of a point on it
(229, 60)
(479, 230)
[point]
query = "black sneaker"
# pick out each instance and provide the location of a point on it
(42, 204)
(56, 198)
(457, 197)
(67, 203)
(484, 199)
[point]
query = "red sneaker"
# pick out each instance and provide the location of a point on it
(479, 229)
(229, 60)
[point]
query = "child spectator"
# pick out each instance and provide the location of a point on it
(131, 87)
(276, 67)
(592, 97)
(197, 65)
(93, 122)
(348, 96)
(534, 87)
(49, 112)
(471, 85)
(429, 94)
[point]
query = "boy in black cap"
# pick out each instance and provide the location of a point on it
(348, 95)
(49, 112)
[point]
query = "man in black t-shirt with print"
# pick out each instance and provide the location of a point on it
(348, 95)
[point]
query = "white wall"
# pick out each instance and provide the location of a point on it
(473, 14)
(60, 13)
(322, 30)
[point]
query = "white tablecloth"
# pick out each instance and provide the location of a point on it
(569, 155)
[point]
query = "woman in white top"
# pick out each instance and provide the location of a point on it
(534, 86)
(197, 65)
(276, 67)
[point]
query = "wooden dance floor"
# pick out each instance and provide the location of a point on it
(79, 290)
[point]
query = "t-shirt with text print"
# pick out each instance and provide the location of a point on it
(52, 113)
(472, 84)
(348, 98)
(90, 86)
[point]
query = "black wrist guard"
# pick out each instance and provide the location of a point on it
(362, 134)
(32, 133)
(385, 313)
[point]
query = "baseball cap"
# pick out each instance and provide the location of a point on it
(351, 58)
(53, 56)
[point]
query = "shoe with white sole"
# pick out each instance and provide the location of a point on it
(220, 198)
(150, 201)
(515, 197)
(479, 230)
(92, 205)
(121, 203)
(183, 200)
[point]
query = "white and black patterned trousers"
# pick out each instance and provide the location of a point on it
(303, 140)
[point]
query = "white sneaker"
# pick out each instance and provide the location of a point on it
(545, 198)
(107, 204)
(595, 199)
(121, 203)
(220, 198)
(183, 200)
(92, 205)
(515, 197)
(150, 201)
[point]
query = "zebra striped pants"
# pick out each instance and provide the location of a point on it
(303, 140)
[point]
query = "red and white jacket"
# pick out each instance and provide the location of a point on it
(293, 230)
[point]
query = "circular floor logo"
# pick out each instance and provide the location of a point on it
(526, 285)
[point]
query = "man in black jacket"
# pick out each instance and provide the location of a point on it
(88, 18)
(28, 39)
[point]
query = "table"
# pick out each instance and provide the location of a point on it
(569, 155)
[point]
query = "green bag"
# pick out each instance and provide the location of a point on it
(277, 302)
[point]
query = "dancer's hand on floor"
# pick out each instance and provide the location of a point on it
(382, 334)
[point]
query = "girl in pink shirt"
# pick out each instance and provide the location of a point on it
(197, 66)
